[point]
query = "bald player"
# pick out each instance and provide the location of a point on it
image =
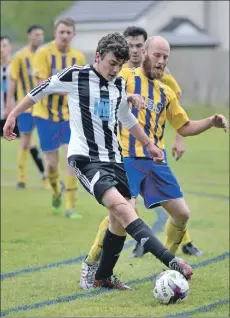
(155, 182)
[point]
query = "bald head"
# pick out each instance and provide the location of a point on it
(156, 53)
(157, 42)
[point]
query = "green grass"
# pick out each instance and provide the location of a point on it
(31, 236)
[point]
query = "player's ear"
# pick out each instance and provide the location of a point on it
(97, 57)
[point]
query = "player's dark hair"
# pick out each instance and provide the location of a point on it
(34, 27)
(135, 31)
(115, 43)
(5, 37)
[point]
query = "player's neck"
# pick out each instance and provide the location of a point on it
(5, 60)
(33, 48)
(61, 48)
(132, 65)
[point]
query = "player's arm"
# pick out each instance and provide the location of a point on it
(186, 127)
(61, 82)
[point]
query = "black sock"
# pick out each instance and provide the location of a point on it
(37, 159)
(143, 235)
(112, 247)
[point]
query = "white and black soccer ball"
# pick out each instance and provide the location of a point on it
(170, 287)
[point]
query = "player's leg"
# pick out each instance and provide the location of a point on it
(160, 187)
(90, 264)
(70, 178)
(175, 227)
(89, 267)
(135, 227)
(25, 125)
(110, 189)
(49, 137)
(37, 158)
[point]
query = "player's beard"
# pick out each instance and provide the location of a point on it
(151, 73)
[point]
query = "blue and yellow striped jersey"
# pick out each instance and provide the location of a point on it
(170, 81)
(161, 104)
(49, 61)
(21, 71)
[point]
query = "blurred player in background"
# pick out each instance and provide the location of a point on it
(21, 82)
(6, 50)
(52, 115)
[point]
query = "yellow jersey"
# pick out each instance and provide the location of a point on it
(170, 81)
(21, 71)
(161, 104)
(49, 61)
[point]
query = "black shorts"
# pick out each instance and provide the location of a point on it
(2, 123)
(97, 177)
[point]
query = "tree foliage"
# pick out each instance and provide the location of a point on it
(17, 16)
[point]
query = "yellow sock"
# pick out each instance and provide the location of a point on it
(54, 182)
(95, 252)
(187, 238)
(71, 189)
(22, 163)
(174, 236)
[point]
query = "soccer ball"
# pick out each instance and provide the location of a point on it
(170, 287)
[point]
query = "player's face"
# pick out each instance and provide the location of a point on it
(109, 66)
(155, 60)
(36, 37)
(63, 35)
(5, 48)
(136, 44)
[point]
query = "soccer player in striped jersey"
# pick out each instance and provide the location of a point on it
(22, 81)
(136, 38)
(52, 115)
(97, 100)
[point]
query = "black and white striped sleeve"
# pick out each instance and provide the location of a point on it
(62, 82)
(125, 115)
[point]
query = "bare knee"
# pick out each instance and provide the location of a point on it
(51, 160)
(178, 210)
(119, 207)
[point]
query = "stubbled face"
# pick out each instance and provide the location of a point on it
(136, 44)
(6, 48)
(155, 60)
(108, 65)
(63, 35)
(36, 37)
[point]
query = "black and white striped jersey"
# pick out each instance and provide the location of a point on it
(95, 105)
(4, 87)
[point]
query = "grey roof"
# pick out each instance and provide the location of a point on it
(107, 11)
(182, 32)
(176, 22)
(200, 40)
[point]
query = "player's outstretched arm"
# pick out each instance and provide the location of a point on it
(8, 128)
(192, 128)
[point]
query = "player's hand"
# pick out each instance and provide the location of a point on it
(219, 121)
(178, 148)
(8, 129)
(155, 153)
(138, 101)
